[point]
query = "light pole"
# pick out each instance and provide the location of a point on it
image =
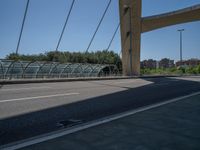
(181, 43)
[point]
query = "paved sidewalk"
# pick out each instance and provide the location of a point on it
(174, 126)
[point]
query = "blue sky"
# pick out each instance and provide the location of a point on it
(45, 19)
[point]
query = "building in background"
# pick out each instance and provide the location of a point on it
(166, 63)
(188, 63)
(150, 63)
(153, 64)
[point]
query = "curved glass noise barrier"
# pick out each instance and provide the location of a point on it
(10, 69)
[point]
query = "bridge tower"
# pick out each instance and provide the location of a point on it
(133, 24)
(130, 22)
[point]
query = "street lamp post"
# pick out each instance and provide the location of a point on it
(181, 47)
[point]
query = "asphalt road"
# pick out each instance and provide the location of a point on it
(28, 110)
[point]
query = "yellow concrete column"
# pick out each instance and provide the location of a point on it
(130, 17)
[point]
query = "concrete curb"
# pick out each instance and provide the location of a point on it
(26, 81)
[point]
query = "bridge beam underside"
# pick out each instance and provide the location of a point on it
(177, 17)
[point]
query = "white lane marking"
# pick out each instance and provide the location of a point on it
(118, 82)
(37, 97)
(129, 81)
(158, 84)
(135, 81)
(30, 88)
(63, 132)
(187, 78)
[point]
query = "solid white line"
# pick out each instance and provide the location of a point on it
(133, 81)
(159, 84)
(130, 81)
(31, 88)
(60, 133)
(37, 97)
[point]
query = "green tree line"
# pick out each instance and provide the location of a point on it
(172, 71)
(97, 57)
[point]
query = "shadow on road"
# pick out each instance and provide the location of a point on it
(43, 121)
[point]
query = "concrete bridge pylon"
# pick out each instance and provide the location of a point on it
(133, 25)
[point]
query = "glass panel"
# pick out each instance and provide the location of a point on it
(1, 70)
(31, 70)
(66, 71)
(14, 69)
(44, 70)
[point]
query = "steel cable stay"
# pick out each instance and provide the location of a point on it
(111, 41)
(109, 45)
(22, 26)
(66, 21)
(63, 30)
(99, 24)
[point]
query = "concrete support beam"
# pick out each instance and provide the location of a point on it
(176, 17)
(130, 16)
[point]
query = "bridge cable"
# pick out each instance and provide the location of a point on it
(66, 21)
(111, 41)
(98, 25)
(22, 27)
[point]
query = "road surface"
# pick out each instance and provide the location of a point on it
(28, 110)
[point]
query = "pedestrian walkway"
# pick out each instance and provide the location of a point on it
(174, 126)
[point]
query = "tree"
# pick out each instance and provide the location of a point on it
(94, 57)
